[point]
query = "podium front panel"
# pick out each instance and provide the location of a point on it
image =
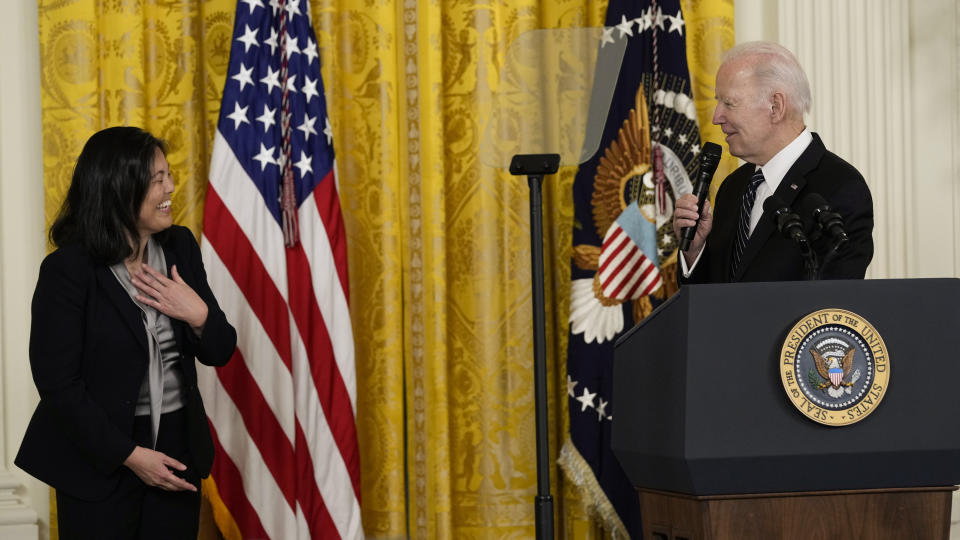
(700, 407)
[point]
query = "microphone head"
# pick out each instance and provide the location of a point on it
(710, 157)
(815, 208)
(773, 205)
(788, 223)
(816, 201)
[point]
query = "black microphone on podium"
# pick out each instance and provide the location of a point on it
(825, 219)
(709, 159)
(791, 226)
(788, 223)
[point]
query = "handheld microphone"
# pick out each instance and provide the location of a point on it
(709, 159)
(826, 219)
(788, 223)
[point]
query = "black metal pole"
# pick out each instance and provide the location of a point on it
(534, 166)
(544, 501)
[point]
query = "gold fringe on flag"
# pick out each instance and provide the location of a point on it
(598, 505)
(228, 527)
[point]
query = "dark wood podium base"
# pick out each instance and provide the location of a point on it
(879, 514)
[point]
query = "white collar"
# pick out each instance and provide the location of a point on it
(775, 169)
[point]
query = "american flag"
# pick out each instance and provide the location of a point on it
(628, 258)
(283, 411)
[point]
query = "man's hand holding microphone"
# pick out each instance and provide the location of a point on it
(692, 218)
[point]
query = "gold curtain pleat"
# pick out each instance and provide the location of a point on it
(438, 242)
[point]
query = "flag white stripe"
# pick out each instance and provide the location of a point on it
(329, 468)
(632, 255)
(631, 276)
(651, 278)
(259, 486)
(614, 261)
(240, 195)
(261, 358)
(616, 236)
(303, 530)
(329, 294)
(614, 229)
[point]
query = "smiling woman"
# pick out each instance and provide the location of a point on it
(155, 212)
(120, 431)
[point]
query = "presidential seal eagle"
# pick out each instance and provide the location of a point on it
(835, 372)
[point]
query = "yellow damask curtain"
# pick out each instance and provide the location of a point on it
(158, 65)
(438, 242)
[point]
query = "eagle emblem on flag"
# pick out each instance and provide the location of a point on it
(634, 210)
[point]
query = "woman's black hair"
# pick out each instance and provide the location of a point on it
(110, 182)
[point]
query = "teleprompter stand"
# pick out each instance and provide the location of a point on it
(535, 166)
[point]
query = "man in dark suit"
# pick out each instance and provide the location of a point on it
(762, 94)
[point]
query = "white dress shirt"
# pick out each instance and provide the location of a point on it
(773, 173)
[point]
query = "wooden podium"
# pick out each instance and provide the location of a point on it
(868, 514)
(705, 432)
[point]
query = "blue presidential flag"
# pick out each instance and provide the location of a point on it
(625, 253)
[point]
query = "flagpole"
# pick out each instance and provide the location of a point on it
(535, 166)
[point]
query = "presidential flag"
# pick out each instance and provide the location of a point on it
(283, 411)
(625, 255)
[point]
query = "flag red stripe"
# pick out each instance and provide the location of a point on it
(646, 272)
(230, 486)
(612, 237)
(260, 423)
(653, 286)
(331, 390)
(251, 277)
(318, 518)
(328, 206)
(608, 256)
(623, 262)
(644, 266)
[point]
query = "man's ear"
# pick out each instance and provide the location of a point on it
(778, 107)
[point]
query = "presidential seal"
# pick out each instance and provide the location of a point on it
(834, 367)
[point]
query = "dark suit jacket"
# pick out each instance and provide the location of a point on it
(88, 353)
(768, 255)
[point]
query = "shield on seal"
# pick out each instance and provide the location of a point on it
(836, 376)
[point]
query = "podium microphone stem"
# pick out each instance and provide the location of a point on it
(544, 501)
(810, 265)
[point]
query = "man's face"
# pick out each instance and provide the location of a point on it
(743, 113)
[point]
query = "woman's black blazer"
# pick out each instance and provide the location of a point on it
(88, 354)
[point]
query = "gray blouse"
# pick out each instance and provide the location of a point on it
(162, 388)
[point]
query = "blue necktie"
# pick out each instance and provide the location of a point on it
(743, 227)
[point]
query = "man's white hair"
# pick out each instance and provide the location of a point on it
(778, 70)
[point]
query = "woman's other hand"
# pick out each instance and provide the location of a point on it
(154, 469)
(172, 297)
